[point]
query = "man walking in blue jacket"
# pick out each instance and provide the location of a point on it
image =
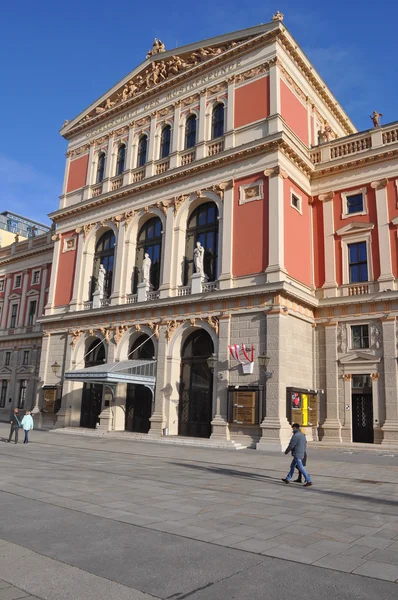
(297, 446)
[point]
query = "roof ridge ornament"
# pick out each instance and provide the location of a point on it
(157, 47)
(278, 16)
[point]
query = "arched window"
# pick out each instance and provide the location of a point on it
(217, 122)
(121, 159)
(165, 142)
(92, 392)
(142, 150)
(142, 349)
(203, 228)
(105, 256)
(190, 132)
(149, 241)
(101, 167)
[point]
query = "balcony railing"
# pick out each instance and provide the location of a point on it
(210, 286)
(117, 183)
(153, 295)
(215, 148)
(87, 305)
(138, 176)
(132, 298)
(97, 190)
(162, 166)
(358, 289)
(187, 157)
(184, 290)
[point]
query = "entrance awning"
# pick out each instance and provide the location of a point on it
(140, 372)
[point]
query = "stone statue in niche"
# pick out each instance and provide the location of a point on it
(198, 257)
(101, 281)
(146, 269)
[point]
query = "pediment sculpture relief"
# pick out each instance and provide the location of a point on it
(157, 72)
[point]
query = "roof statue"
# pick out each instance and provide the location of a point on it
(376, 118)
(278, 16)
(157, 47)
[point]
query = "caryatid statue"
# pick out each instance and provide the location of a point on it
(101, 280)
(198, 256)
(146, 269)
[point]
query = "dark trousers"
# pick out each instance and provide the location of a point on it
(26, 440)
(14, 428)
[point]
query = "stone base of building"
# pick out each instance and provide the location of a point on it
(219, 429)
(330, 431)
(276, 434)
(157, 428)
(390, 432)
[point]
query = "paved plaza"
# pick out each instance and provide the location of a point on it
(87, 517)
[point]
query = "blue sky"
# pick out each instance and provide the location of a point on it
(57, 58)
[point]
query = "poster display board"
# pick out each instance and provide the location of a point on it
(244, 405)
(50, 398)
(302, 407)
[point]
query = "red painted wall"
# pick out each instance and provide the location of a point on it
(65, 274)
(294, 113)
(297, 235)
(250, 231)
(371, 217)
(252, 102)
(392, 200)
(319, 247)
(77, 173)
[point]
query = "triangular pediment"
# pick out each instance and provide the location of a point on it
(163, 66)
(24, 370)
(5, 371)
(358, 357)
(14, 296)
(33, 293)
(355, 228)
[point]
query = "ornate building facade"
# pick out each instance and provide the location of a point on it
(221, 196)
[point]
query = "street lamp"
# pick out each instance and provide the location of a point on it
(263, 361)
(55, 367)
(212, 362)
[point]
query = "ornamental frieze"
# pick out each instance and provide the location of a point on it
(255, 72)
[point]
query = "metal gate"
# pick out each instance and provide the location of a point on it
(362, 418)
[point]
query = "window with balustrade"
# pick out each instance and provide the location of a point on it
(217, 121)
(190, 132)
(165, 141)
(142, 151)
(357, 262)
(101, 167)
(149, 242)
(203, 228)
(121, 159)
(105, 256)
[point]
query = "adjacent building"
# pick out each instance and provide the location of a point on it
(226, 254)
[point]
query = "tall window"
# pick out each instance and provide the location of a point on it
(105, 256)
(25, 358)
(101, 167)
(7, 361)
(1, 285)
(149, 242)
(22, 393)
(121, 159)
(203, 228)
(190, 132)
(35, 277)
(354, 204)
(3, 393)
(165, 141)
(142, 150)
(14, 312)
(359, 337)
(32, 312)
(358, 263)
(217, 122)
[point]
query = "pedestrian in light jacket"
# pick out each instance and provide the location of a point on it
(297, 446)
(27, 424)
(15, 425)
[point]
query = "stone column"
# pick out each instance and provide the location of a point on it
(219, 424)
(332, 424)
(276, 235)
(40, 308)
(106, 185)
(65, 183)
(167, 285)
(201, 144)
(225, 274)
(116, 296)
(21, 314)
(330, 285)
(157, 419)
(229, 136)
(76, 300)
(150, 167)
(6, 301)
(176, 136)
(390, 426)
(129, 157)
(54, 272)
(386, 279)
(276, 430)
(90, 170)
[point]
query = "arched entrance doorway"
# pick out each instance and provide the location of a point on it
(139, 397)
(196, 387)
(92, 392)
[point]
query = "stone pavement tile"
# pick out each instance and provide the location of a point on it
(12, 593)
(302, 555)
(378, 570)
(359, 551)
(229, 540)
(385, 556)
(283, 518)
(254, 545)
(362, 530)
(242, 530)
(301, 529)
(294, 541)
(4, 584)
(339, 536)
(339, 562)
(331, 546)
(374, 542)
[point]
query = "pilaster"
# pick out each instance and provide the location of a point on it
(150, 168)
(276, 229)
(54, 272)
(229, 137)
(219, 424)
(75, 301)
(166, 285)
(108, 166)
(201, 144)
(158, 419)
(386, 279)
(116, 296)
(6, 301)
(44, 273)
(129, 157)
(330, 285)
(21, 314)
(226, 226)
(176, 136)
(332, 425)
(390, 426)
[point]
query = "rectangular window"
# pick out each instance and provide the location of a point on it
(22, 394)
(355, 204)
(32, 313)
(14, 312)
(1, 285)
(3, 393)
(35, 277)
(18, 280)
(7, 361)
(357, 262)
(25, 358)
(359, 337)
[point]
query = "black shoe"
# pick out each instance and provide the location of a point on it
(285, 480)
(307, 484)
(8, 441)
(298, 481)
